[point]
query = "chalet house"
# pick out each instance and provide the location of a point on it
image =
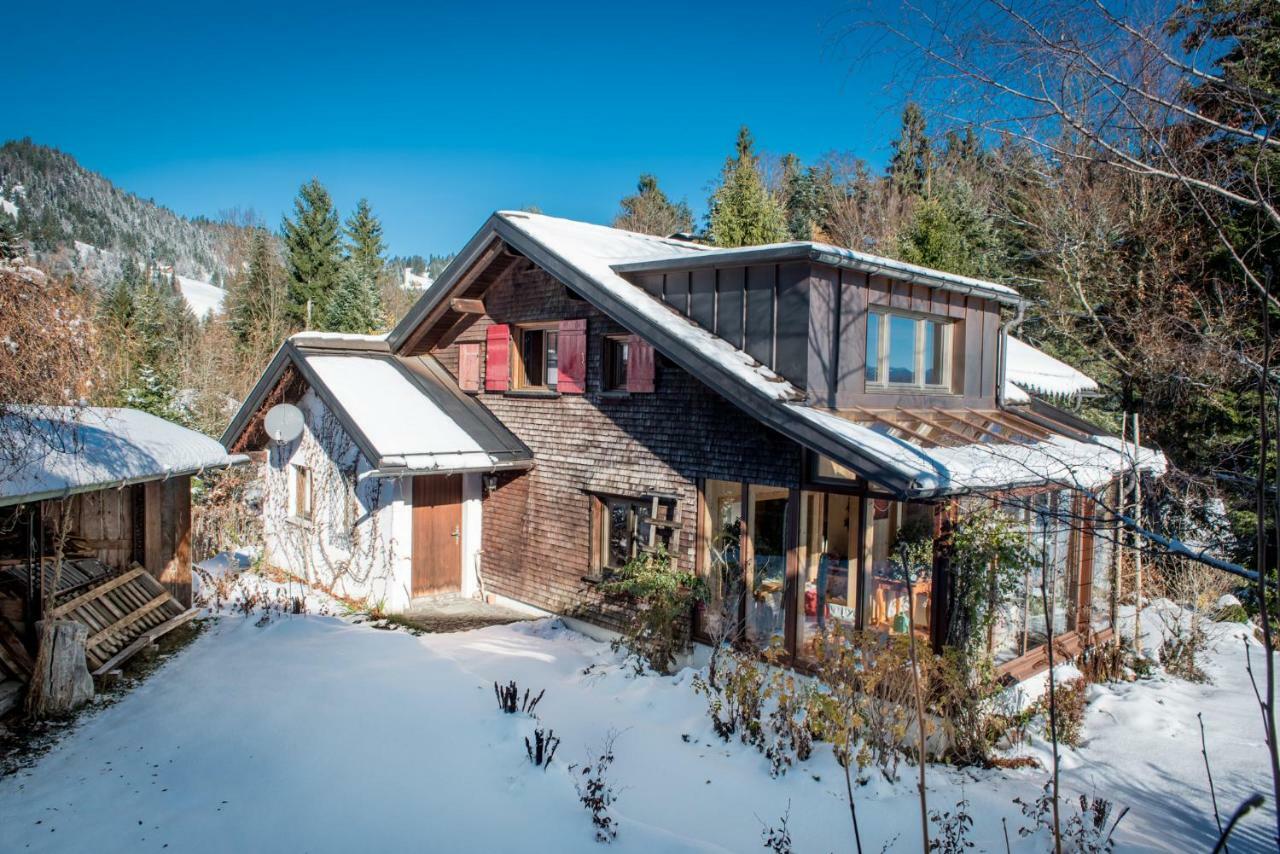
(565, 395)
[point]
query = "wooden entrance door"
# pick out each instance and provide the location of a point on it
(437, 534)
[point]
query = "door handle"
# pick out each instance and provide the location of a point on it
(455, 532)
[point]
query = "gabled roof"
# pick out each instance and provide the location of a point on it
(84, 449)
(588, 259)
(406, 414)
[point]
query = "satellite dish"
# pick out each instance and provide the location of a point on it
(284, 422)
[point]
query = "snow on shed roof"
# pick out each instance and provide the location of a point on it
(82, 449)
(1039, 373)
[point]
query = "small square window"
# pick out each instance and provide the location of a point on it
(539, 358)
(301, 496)
(617, 352)
(625, 530)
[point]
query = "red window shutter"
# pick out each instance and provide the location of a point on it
(639, 365)
(571, 350)
(469, 366)
(497, 357)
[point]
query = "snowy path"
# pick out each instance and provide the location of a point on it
(313, 734)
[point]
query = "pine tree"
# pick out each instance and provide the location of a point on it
(804, 191)
(357, 302)
(743, 212)
(911, 166)
(313, 247)
(12, 244)
(953, 232)
(254, 300)
(649, 211)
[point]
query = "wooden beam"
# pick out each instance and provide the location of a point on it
(100, 590)
(1018, 424)
(143, 640)
(467, 306)
(894, 424)
(128, 620)
(982, 431)
(924, 419)
(492, 251)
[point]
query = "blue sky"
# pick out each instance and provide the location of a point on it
(438, 115)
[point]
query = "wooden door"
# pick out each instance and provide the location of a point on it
(437, 534)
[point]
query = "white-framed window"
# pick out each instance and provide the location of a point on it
(301, 494)
(908, 351)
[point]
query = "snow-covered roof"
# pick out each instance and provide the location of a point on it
(1035, 371)
(82, 449)
(406, 414)
(591, 259)
(406, 428)
(985, 466)
(592, 250)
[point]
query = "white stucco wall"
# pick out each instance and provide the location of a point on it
(358, 542)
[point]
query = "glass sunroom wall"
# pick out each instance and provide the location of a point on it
(887, 607)
(1009, 630)
(767, 515)
(1105, 533)
(829, 542)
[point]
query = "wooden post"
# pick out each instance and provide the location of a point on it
(1137, 551)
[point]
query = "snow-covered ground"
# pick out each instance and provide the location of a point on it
(204, 298)
(314, 733)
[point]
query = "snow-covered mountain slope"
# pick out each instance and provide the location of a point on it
(204, 298)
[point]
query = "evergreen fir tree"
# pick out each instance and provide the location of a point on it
(911, 166)
(743, 211)
(357, 302)
(313, 247)
(804, 198)
(953, 232)
(12, 244)
(649, 211)
(253, 301)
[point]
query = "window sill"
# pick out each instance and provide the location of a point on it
(531, 392)
(883, 388)
(615, 394)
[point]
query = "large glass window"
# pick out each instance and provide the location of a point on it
(887, 603)
(908, 350)
(830, 525)
(767, 572)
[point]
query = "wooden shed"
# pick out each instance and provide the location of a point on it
(118, 481)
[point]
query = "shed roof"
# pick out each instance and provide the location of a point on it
(1035, 371)
(82, 449)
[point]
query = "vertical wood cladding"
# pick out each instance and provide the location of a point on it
(537, 524)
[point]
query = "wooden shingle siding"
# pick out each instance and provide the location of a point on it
(537, 534)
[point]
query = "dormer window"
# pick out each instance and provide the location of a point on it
(908, 351)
